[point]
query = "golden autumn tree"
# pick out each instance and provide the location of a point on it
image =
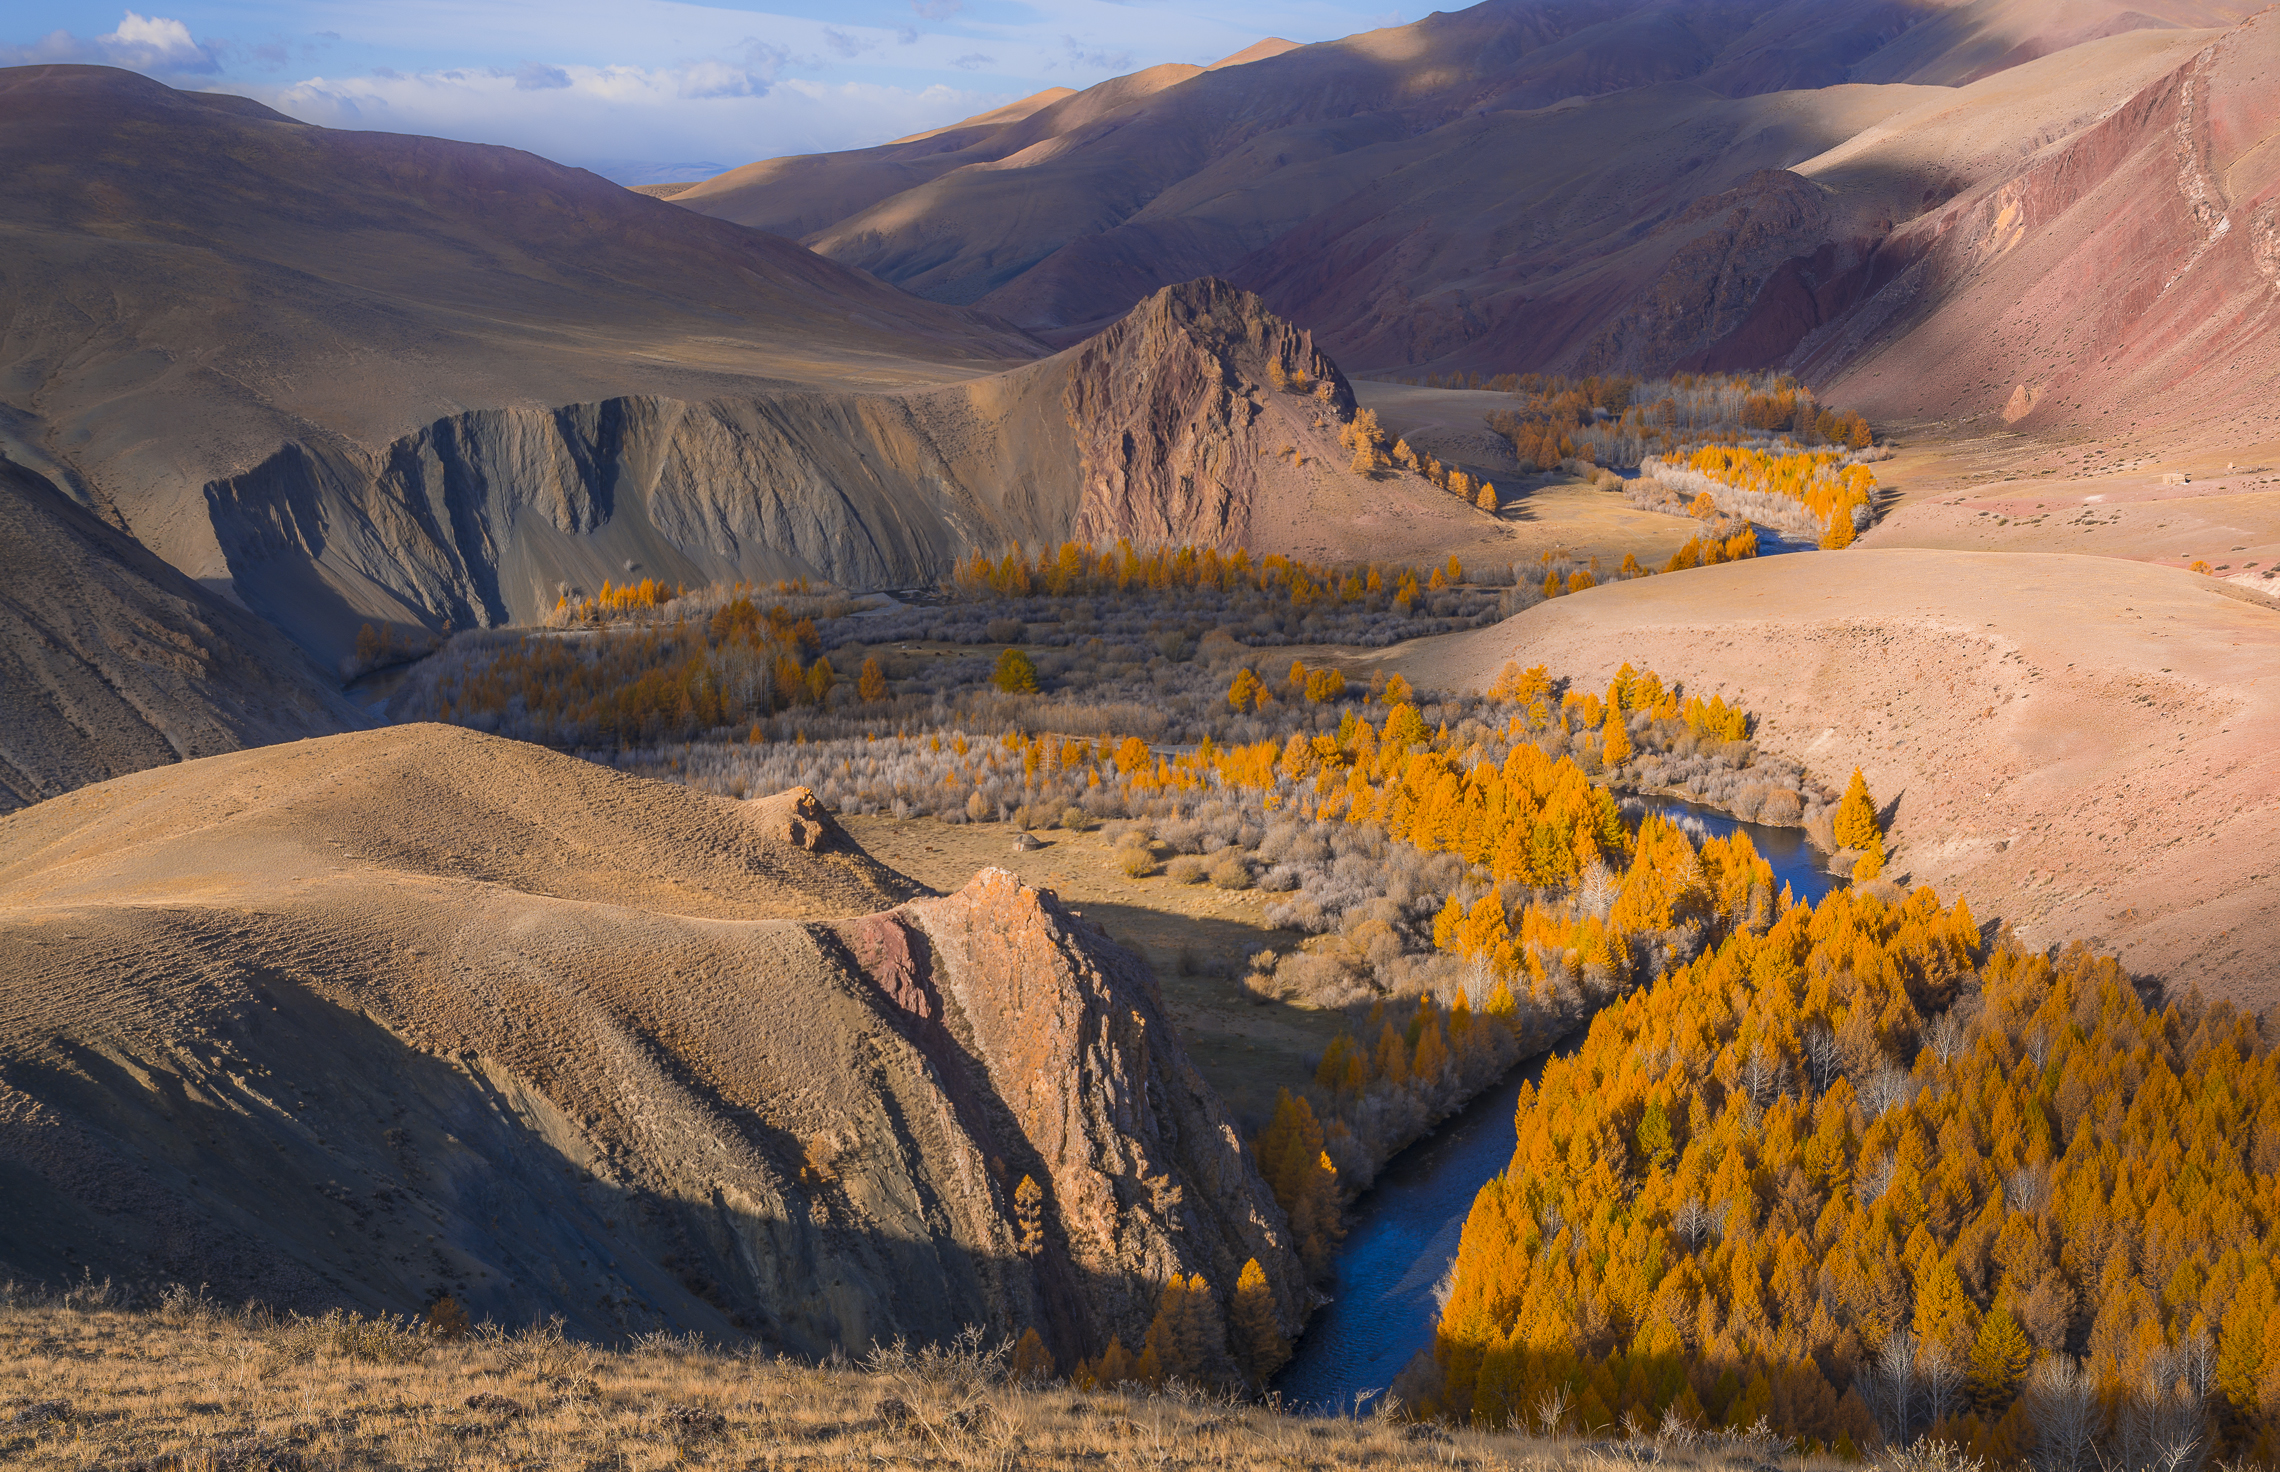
(1255, 1328)
(1303, 1180)
(1615, 735)
(1856, 826)
(1029, 1213)
(1032, 1362)
(1015, 674)
(872, 683)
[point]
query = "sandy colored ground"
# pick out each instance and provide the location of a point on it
(2079, 746)
(2106, 498)
(1246, 1047)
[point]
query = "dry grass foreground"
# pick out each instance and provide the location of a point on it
(2080, 746)
(188, 1389)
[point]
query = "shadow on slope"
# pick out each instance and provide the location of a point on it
(113, 661)
(239, 1053)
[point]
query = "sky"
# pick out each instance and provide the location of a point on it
(648, 91)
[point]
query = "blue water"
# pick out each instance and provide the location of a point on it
(1399, 1241)
(1773, 543)
(1795, 861)
(1403, 1234)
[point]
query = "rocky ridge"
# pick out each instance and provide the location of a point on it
(1165, 429)
(790, 1104)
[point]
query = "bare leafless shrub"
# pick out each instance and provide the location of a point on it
(1782, 808)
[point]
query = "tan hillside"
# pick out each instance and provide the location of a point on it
(425, 1011)
(2119, 281)
(2078, 746)
(357, 376)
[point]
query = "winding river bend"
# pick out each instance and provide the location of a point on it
(1403, 1234)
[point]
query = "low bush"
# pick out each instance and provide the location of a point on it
(1230, 872)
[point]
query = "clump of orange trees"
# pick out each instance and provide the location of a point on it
(1619, 420)
(1194, 1340)
(1819, 485)
(651, 682)
(1078, 568)
(613, 602)
(1856, 1171)
(1709, 551)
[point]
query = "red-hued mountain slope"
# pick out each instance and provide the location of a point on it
(2125, 276)
(1487, 187)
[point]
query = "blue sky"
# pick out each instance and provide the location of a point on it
(648, 90)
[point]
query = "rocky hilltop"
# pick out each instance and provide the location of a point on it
(1166, 428)
(1177, 417)
(349, 377)
(373, 1018)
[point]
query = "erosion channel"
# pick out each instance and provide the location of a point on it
(1403, 1234)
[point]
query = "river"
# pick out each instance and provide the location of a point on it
(1402, 1236)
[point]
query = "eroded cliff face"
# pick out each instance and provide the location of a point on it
(743, 1087)
(112, 661)
(1164, 429)
(482, 518)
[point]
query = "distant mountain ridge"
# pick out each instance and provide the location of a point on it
(1558, 184)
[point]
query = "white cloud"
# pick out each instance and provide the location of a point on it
(736, 112)
(145, 43)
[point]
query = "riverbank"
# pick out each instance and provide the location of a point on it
(1402, 1234)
